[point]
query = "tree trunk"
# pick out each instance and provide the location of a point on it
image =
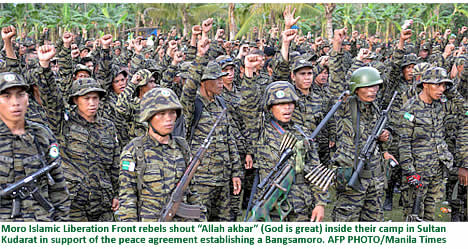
(232, 22)
(329, 8)
(185, 19)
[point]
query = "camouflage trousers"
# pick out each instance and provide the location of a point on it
(363, 205)
(89, 203)
(301, 204)
(216, 199)
(432, 192)
(458, 203)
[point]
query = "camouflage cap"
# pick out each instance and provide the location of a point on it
(301, 63)
(184, 70)
(81, 67)
(224, 61)
(9, 80)
(409, 59)
(116, 71)
(436, 75)
(461, 60)
(156, 100)
(84, 86)
(212, 71)
(279, 92)
(346, 42)
(436, 49)
(28, 42)
(426, 46)
(83, 47)
(145, 76)
(372, 56)
(420, 68)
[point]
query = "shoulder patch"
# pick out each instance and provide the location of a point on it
(54, 151)
(128, 165)
(409, 116)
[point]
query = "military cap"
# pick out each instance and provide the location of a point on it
(436, 75)
(224, 61)
(460, 60)
(9, 80)
(81, 67)
(213, 71)
(184, 70)
(426, 46)
(301, 63)
(294, 56)
(145, 76)
(28, 42)
(83, 47)
(84, 86)
(116, 71)
(157, 100)
(279, 92)
(372, 56)
(346, 42)
(409, 59)
(436, 49)
(420, 68)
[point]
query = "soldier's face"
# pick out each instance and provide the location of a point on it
(150, 85)
(434, 91)
(83, 53)
(164, 121)
(347, 47)
(322, 78)
(87, 105)
(213, 87)
(283, 112)
(13, 104)
(367, 94)
(423, 53)
(303, 78)
(228, 79)
(117, 52)
(408, 72)
(81, 75)
(119, 83)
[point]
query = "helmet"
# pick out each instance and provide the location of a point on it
(83, 86)
(9, 80)
(363, 77)
(279, 92)
(145, 76)
(420, 68)
(156, 100)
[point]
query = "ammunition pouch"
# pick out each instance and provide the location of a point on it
(343, 175)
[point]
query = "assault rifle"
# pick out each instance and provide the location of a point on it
(175, 205)
(371, 144)
(275, 187)
(414, 215)
(28, 186)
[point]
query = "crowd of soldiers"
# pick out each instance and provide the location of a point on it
(123, 119)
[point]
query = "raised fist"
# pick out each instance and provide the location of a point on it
(207, 24)
(289, 35)
(8, 33)
(202, 46)
(45, 53)
(106, 40)
(252, 61)
(196, 30)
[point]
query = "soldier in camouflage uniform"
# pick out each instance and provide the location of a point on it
(128, 102)
(462, 164)
(355, 121)
(26, 147)
(279, 103)
(424, 153)
(202, 104)
(89, 145)
(152, 165)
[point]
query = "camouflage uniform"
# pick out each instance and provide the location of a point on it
(366, 203)
(222, 163)
(303, 196)
(159, 169)
(21, 156)
(90, 151)
(423, 149)
(128, 105)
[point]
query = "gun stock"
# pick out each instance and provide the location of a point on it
(174, 205)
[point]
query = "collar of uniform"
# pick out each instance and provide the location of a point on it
(4, 130)
(155, 142)
(205, 101)
(78, 118)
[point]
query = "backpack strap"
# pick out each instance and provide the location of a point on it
(198, 112)
(140, 171)
(182, 143)
(355, 117)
